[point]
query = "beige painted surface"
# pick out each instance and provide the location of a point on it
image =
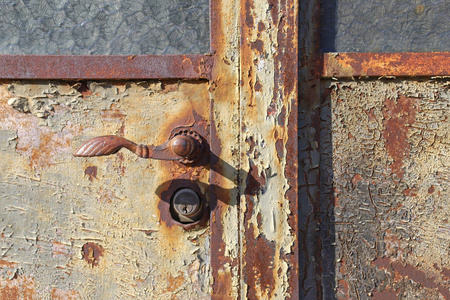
(53, 204)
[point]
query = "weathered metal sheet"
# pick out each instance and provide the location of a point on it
(268, 110)
(225, 161)
(386, 64)
(105, 66)
(97, 228)
(385, 146)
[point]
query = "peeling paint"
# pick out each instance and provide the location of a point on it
(90, 228)
(388, 153)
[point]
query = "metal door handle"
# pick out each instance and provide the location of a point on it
(184, 146)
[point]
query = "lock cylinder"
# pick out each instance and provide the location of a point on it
(186, 206)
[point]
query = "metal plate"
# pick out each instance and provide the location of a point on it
(385, 26)
(96, 27)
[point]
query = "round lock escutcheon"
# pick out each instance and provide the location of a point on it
(186, 206)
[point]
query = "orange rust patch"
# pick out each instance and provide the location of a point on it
(37, 143)
(7, 264)
(92, 253)
(121, 169)
(410, 192)
(399, 115)
(413, 274)
(173, 283)
(20, 287)
(343, 289)
(223, 285)
(258, 273)
(113, 114)
(357, 178)
(384, 64)
(59, 294)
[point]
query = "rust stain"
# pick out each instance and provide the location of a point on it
(92, 253)
(399, 115)
(412, 192)
(386, 64)
(193, 66)
(279, 146)
(343, 289)
(431, 189)
(385, 295)
(223, 285)
(356, 178)
(20, 287)
(91, 172)
(7, 264)
(60, 294)
(446, 272)
(258, 86)
(59, 249)
(173, 283)
(259, 265)
(113, 114)
(120, 168)
(258, 45)
(413, 274)
(261, 26)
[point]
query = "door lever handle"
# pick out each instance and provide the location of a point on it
(184, 146)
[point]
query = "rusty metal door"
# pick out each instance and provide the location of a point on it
(105, 227)
(373, 118)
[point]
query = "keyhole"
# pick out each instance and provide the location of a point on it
(186, 206)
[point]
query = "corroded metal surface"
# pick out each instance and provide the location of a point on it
(385, 146)
(97, 228)
(386, 64)
(268, 109)
(105, 67)
(225, 161)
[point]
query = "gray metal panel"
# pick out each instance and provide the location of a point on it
(385, 26)
(114, 27)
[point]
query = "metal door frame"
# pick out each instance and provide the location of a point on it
(314, 66)
(259, 252)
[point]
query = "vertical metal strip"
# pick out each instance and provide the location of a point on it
(224, 193)
(269, 191)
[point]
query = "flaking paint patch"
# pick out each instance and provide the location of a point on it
(51, 209)
(264, 128)
(391, 220)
